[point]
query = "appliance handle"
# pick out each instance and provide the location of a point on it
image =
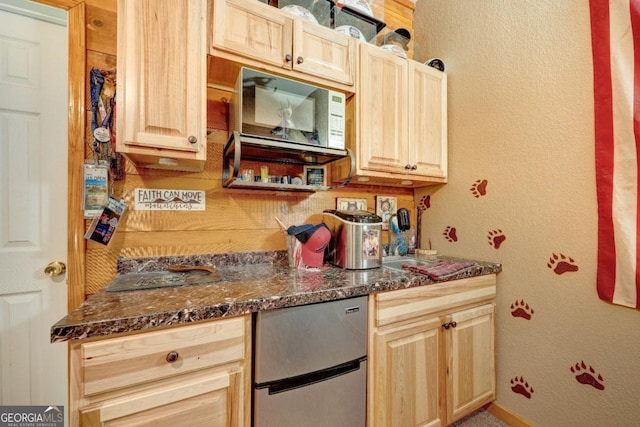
(292, 383)
(352, 169)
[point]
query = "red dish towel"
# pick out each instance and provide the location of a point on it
(441, 269)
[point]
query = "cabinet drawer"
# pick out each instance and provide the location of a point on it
(122, 362)
(202, 398)
(399, 305)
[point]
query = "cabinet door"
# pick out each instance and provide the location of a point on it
(203, 400)
(162, 75)
(253, 30)
(406, 375)
(382, 110)
(146, 378)
(471, 361)
(321, 52)
(427, 121)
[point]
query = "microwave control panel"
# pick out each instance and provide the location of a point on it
(337, 120)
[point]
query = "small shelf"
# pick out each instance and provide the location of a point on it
(244, 147)
(257, 185)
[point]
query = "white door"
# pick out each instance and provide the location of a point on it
(33, 205)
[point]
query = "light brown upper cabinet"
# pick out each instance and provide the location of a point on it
(161, 89)
(401, 121)
(255, 34)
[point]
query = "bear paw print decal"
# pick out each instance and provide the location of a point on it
(496, 238)
(425, 202)
(521, 309)
(561, 264)
(520, 386)
(479, 188)
(450, 234)
(587, 375)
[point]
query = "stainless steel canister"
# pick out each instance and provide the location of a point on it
(355, 239)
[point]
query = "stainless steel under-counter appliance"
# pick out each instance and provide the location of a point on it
(310, 365)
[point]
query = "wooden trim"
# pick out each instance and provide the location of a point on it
(76, 129)
(110, 5)
(62, 4)
(506, 416)
(247, 366)
(75, 393)
(406, 3)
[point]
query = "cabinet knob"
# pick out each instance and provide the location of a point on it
(300, 59)
(172, 356)
(449, 325)
(288, 57)
(414, 167)
(192, 139)
(408, 166)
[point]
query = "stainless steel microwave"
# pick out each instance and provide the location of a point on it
(273, 107)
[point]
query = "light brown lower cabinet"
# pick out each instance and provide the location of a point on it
(196, 375)
(431, 362)
(431, 353)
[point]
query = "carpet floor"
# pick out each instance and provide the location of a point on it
(479, 418)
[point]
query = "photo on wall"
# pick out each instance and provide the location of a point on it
(351, 204)
(385, 207)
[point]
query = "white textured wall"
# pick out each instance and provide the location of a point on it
(521, 119)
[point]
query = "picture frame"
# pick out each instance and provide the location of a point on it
(351, 204)
(315, 175)
(385, 207)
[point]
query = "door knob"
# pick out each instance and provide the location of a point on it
(55, 268)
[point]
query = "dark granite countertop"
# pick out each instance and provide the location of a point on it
(247, 282)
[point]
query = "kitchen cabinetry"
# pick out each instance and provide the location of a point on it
(254, 33)
(470, 346)
(431, 352)
(197, 375)
(401, 123)
(161, 89)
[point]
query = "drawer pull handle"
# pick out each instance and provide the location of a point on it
(172, 356)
